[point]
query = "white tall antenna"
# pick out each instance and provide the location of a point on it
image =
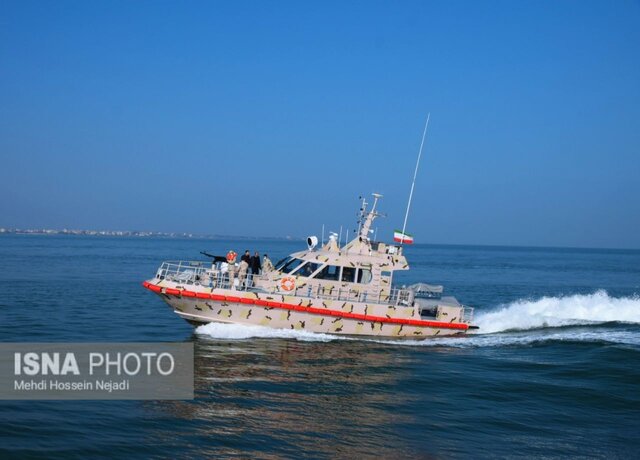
(322, 243)
(415, 174)
(363, 210)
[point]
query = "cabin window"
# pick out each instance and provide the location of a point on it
(308, 269)
(330, 272)
(364, 276)
(282, 262)
(291, 265)
(385, 274)
(348, 274)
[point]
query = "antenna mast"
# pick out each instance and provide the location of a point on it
(415, 174)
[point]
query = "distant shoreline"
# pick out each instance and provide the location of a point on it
(139, 234)
(196, 236)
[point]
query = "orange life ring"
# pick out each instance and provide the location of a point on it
(231, 256)
(288, 283)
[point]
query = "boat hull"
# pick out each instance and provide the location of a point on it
(313, 315)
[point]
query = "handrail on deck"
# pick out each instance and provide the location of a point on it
(201, 273)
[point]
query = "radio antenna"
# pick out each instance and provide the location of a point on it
(415, 174)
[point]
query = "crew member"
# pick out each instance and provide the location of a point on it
(255, 264)
(242, 272)
(231, 269)
(267, 266)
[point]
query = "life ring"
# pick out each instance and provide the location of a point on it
(231, 256)
(288, 283)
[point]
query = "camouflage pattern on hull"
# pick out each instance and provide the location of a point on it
(205, 311)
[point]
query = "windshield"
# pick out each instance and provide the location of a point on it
(291, 265)
(282, 262)
(308, 269)
(329, 272)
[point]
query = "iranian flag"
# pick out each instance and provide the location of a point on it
(402, 237)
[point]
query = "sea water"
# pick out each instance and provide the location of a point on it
(553, 371)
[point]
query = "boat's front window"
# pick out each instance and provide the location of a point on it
(348, 274)
(291, 265)
(330, 272)
(308, 269)
(282, 262)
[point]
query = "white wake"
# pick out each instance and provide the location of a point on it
(572, 310)
(228, 331)
(521, 322)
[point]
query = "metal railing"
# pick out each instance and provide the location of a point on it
(204, 274)
(197, 273)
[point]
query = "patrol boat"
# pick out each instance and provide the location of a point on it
(329, 289)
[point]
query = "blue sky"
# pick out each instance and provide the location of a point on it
(270, 118)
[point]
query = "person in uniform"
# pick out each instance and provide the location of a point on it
(267, 266)
(246, 257)
(231, 269)
(242, 272)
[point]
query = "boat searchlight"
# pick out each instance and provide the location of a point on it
(312, 242)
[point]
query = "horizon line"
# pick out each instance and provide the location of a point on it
(193, 235)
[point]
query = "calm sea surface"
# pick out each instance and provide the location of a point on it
(555, 371)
